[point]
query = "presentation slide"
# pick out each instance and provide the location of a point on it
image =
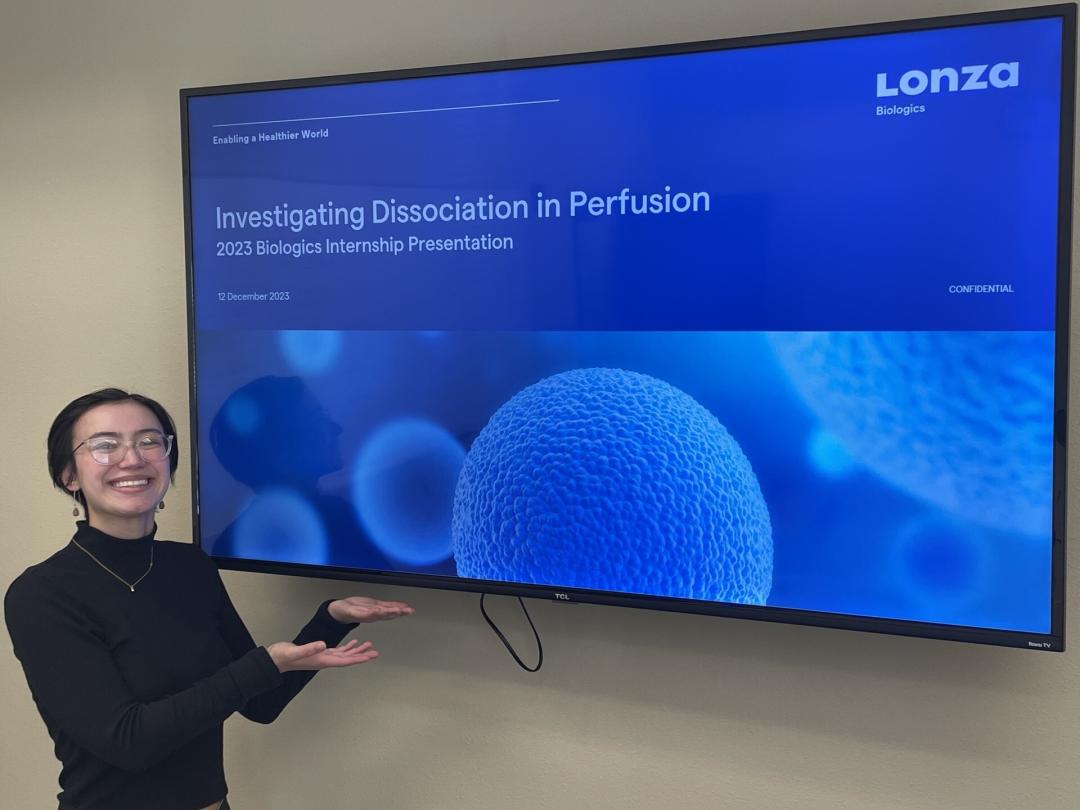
(768, 326)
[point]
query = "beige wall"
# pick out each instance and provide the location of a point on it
(633, 709)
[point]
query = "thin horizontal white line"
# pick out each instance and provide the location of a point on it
(388, 112)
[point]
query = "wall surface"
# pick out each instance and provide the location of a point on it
(633, 709)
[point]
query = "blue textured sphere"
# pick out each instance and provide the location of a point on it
(613, 480)
(403, 489)
(962, 420)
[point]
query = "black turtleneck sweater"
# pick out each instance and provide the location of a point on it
(134, 686)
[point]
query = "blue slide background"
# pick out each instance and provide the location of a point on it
(900, 434)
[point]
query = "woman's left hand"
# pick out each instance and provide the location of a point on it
(365, 609)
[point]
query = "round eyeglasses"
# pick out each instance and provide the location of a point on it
(148, 445)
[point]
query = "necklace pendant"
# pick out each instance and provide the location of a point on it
(131, 585)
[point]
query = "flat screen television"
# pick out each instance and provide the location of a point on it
(772, 327)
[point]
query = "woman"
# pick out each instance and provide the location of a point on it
(131, 647)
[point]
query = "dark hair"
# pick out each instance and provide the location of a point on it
(60, 456)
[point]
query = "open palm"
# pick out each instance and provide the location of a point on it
(365, 609)
(316, 655)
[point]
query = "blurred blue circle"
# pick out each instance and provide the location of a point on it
(403, 489)
(282, 526)
(939, 563)
(242, 414)
(828, 455)
(310, 352)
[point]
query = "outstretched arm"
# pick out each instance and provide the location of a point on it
(315, 646)
(79, 689)
(317, 655)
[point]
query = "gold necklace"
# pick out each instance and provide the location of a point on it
(131, 585)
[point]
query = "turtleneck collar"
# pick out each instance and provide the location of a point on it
(112, 549)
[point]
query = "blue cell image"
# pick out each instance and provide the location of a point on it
(601, 478)
(828, 455)
(960, 420)
(310, 352)
(940, 565)
(242, 414)
(403, 489)
(281, 525)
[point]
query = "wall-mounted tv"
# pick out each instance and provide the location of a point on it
(772, 327)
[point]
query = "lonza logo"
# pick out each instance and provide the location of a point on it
(950, 80)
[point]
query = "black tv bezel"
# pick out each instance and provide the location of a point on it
(1052, 641)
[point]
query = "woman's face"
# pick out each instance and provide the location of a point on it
(121, 498)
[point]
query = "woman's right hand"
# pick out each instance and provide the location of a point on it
(288, 656)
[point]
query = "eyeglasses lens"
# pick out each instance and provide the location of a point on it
(148, 446)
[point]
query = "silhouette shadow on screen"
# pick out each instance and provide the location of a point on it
(275, 437)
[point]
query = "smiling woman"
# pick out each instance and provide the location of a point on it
(123, 463)
(132, 649)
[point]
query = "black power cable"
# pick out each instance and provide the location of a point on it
(506, 642)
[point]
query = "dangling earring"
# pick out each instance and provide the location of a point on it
(161, 505)
(75, 510)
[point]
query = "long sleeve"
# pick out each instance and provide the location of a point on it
(134, 684)
(78, 687)
(265, 707)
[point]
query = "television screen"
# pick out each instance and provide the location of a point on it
(770, 328)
